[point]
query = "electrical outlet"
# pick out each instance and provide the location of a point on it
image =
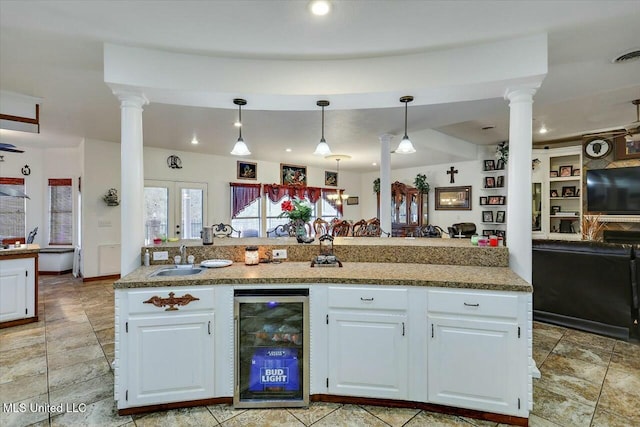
(160, 256)
(279, 254)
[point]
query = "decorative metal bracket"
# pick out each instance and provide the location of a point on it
(172, 301)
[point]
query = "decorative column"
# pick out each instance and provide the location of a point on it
(131, 180)
(385, 182)
(519, 180)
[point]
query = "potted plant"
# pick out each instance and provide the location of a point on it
(376, 185)
(421, 183)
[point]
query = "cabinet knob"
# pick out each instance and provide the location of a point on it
(471, 305)
(366, 299)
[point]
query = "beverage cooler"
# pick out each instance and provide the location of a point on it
(271, 348)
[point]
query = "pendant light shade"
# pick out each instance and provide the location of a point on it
(405, 146)
(240, 149)
(322, 149)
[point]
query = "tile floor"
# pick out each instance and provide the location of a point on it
(587, 380)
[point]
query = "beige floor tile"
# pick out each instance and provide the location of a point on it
(224, 412)
(86, 392)
(433, 419)
(59, 359)
(620, 394)
(26, 412)
(68, 343)
(561, 365)
(544, 342)
(29, 352)
(21, 338)
(395, 417)
(589, 340)
(558, 409)
(626, 360)
(479, 423)
(78, 372)
(536, 421)
(549, 329)
(102, 413)
(23, 368)
(106, 336)
(69, 331)
(196, 417)
(315, 411)
(23, 388)
(604, 418)
(580, 352)
(627, 348)
(349, 416)
(540, 355)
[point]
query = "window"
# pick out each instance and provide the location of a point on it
(60, 211)
(12, 211)
(246, 209)
(274, 210)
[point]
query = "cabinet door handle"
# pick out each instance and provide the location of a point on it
(209, 327)
(402, 328)
(472, 305)
(366, 299)
(432, 330)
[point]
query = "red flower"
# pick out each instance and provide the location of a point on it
(287, 206)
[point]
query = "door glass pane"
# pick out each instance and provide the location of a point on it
(191, 212)
(536, 208)
(156, 203)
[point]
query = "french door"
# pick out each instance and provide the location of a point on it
(174, 209)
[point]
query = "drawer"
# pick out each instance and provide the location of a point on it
(473, 303)
(182, 302)
(369, 297)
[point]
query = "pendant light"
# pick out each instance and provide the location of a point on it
(240, 149)
(340, 195)
(405, 146)
(322, 149)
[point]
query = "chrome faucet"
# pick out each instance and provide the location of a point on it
(183, 254)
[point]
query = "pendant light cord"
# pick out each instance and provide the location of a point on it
(322, 137)
(240, 120)
(405, 119)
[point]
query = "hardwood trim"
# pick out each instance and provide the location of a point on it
(17, 322)
(96, 278)
(175, 405)
(54, 273)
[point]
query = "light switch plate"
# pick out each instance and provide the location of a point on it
(160, 256)
(279, 254)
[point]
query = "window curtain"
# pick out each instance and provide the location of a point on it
(242, 195)
(12, 212)
(327, 192)
(60, 211)
(276, 192)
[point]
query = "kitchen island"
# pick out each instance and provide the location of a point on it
(446, 337)
(18, 285)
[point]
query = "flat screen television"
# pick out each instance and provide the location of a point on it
(614, 191)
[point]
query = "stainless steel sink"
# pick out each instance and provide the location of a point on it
(173, 271)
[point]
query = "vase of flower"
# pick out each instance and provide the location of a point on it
(299, 213)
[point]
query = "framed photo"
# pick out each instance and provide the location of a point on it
(247, 170)
(503, 200)
(553, 193)
(501, 233)
(576, 172)
(553, 174)
(353, 200)
(487, 216)
(565, 171)
(496, 200)
(293, 174)
(489, 165)
(488, 232)
(483, 200)
(500, 216)
(626, 150)
(500, 165)
(569, 191)
(500, 181)
(489, 182)
(555, 210)
(453, 198)
(331, 178)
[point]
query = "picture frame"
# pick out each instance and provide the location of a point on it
(495, 200)
(500, 165)
(565, 171)
(353, 200)
(500, 181)
(503, 200)
(488, 232)
(501, 233)
(553, 174)
(293, 174)
(489, 165)
(331, 178)
(247, 170)
(576, 172)
(487, 216)
(453, 198)
(553, 193)
(569, 191)
(500, 215)
(626, 150)
(555, 209)
(489, 182)
(483, 200)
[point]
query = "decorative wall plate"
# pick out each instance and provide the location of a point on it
(597, 148)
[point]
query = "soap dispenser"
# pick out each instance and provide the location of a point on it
(146, 258)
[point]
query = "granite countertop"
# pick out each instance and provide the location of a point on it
(358, 273)
(23, 249)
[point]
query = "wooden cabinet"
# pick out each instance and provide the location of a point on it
(476, 351)
(169, 354)
(18, 290)
(368, 343)
(409, 209)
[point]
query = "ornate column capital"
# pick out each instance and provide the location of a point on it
(521, 94)
(386, 137)
(130, 98)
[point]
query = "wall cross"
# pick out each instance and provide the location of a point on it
(451, 172)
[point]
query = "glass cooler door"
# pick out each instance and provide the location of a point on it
(271, 358)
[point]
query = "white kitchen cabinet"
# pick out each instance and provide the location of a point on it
(477, 351)
(17, 289)
(368, 343)
(169, 353)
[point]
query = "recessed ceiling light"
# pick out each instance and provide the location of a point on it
(374, 164)
(320, 7)
(543, 130)
(194, 141)
(237, 124)
(288, 150)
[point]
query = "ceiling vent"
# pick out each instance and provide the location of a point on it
(627, 56)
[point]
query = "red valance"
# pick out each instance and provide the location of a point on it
(12, 181)
(59, 182)
(243, 196)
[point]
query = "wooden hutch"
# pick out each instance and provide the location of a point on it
(409, 210)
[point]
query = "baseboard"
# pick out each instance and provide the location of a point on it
(96, 278)
(617, 332)
(54, 273)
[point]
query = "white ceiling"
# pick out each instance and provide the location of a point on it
(53, 50)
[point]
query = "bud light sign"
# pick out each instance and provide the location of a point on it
(274, 369)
